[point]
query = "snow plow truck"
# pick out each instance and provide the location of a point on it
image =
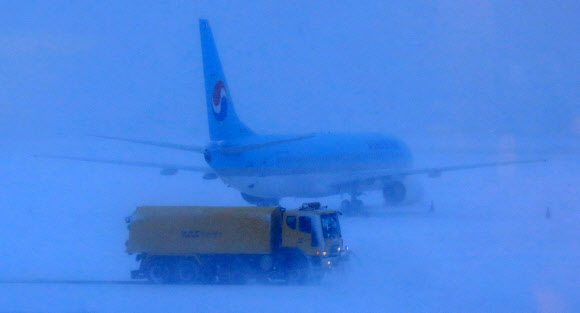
(205, 244)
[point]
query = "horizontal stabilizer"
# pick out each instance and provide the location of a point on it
(166, 169)
(156, 143)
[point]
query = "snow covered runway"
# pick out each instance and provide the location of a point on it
(406, 260)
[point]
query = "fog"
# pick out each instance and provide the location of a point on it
(459, 82)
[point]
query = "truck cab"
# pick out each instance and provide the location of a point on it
(315, 231)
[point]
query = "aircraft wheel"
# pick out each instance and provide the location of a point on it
(357, 204)
(345, 206)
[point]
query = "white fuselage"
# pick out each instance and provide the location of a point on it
(323, 165)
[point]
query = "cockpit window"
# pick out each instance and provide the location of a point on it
(330, 226)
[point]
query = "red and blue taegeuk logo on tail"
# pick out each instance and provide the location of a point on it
(219, 100)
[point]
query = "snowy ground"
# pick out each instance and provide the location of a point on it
(487, 247)
(497, 79)
(412, 262)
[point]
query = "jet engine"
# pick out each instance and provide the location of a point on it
(403, 192)
(394, 193)
(260, 201)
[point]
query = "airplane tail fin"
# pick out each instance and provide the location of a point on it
(224, 123)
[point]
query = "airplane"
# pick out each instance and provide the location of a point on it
(268, 168)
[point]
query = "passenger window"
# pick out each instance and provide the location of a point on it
(291, 221)
(305, 224)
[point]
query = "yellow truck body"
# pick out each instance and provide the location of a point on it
(186, 230)
(205, 243)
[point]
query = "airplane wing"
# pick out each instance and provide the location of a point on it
(166, 169)
(234, 149)
(176, 146)
(432, 172)
(437, 171)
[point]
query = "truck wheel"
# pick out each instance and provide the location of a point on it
(316, 277)
(233, 270)
(187, 271)
(297, 270)
(159, 272)
(297, 275)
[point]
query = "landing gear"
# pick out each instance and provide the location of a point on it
(352, 206)
(344, 205)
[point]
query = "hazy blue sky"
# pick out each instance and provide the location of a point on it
(134, 68)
